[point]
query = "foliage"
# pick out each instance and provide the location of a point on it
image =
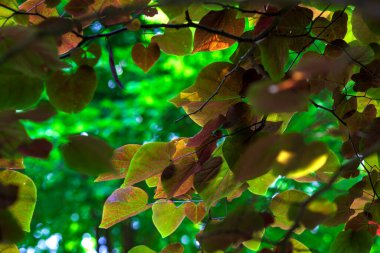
(289, 138)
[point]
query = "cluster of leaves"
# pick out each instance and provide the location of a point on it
(290, 59)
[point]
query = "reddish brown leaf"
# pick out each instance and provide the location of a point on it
(145, 57)
(224, 20)
(39, 148)
(195, 212)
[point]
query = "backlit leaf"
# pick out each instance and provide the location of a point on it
(145, 57)
(141, 249)
(175, 42)
(22, 210)
(122, 204)
(224, 20)
(167, 216)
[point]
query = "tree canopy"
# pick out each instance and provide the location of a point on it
(274, 147)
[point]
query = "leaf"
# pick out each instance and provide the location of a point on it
(260, 184)
(274, 55)
(9, 248)
(151, 159)
(36, 6)
(173, 248)
(88, 155)
(43, 111)
(215, 181)
(256, 160)
(12, 135)
(123, 204)
(145, 57)
(267, 97)
(281, 204)
(39, 148)
(316, 212)
(72, 93)
(195, 212)
(367, 77)
(89, 56)
(5, 14)
(121, 160)
(175, 42)
(360, 29)
(331, 30)
(352, 242)
(10, 230)
(167, 217)
(235, 228)
(205, 86)
(18, 91)
(23, 209)
(255, 242)
(225, 21)
(141, 249)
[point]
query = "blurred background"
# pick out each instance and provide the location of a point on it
(70, 205)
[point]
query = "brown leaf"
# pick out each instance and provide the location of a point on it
(224, 20)
(195, 212)
(145, 57)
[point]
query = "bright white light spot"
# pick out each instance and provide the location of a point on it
(84, 134)
(103, 249)
(30, 250)
(185, 239)
(22, 250)
(53, 241)
(45, 231)
(173, 136)
(41, 244)
(119, 70)
(197, 243)
(88, 243)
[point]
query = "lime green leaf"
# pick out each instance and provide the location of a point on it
(122, 204)
(167, 216)
(175, 42)
(260, 185)
(352, 242)
(8, 248)
(87, 154)
(23, 209)
(141, 249)
(72, 93)
(255, 242)
(151, 159)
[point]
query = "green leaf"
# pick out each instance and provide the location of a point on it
(23, 209)
(221, 184)
(141, 249)
(238, 226)
(167, 216)
(10, 230)
(18, 91)
(121, 159)
(8, 248)
(72, 93)
(87, 154)
(122, 204)
(274, 56)
(352, 242)
(255, 242)
(151, 159)
(260, 184)
(281, 204)
(175, 42)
